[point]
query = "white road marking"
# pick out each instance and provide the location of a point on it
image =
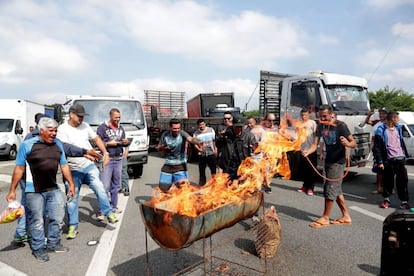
(7, 270)
(103, 253)
(355, 196)
(367, 213)
(5, 178)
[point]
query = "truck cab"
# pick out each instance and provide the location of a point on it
(407, 124)
(347, 95)
(132, 120)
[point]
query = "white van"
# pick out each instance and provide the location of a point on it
(407, 123)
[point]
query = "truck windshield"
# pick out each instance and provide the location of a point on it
(6, 125)
(348, 98)
(98, 110)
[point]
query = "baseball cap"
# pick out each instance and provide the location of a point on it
(78, 109)
(386, 110)
(238, 121)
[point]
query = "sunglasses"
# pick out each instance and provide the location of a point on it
(226, 118)
(272, 120)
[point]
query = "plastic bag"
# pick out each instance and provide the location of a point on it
(13, 211)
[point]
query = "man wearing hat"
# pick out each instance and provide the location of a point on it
(78, 133)
(243, 145)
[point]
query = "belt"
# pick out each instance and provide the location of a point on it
(397, 158)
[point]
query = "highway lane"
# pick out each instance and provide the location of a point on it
(334, 250)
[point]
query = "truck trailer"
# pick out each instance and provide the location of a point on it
(209, 106)
(16, 118)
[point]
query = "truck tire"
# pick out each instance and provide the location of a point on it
(13, 153)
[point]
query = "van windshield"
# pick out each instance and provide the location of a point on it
(348, 98)
(6, 125)
(98, 110)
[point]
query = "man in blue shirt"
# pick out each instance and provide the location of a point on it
(173, 143)
(43, 155)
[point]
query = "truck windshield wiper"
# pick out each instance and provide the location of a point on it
(140, 126)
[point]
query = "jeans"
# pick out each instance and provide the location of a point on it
(90, 177)
(22, 222)
(124, 174)
(52, 204)
(210, 161)
(111, 179)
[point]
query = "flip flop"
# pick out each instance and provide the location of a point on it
(318, 224)
(341, 222)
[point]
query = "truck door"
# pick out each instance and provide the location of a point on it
(304, 94)
(408, 138)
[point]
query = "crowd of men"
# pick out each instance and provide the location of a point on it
(50, 146)
(224, 148)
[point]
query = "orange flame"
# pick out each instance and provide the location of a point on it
(189, 200)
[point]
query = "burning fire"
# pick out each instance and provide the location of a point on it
(189, 200)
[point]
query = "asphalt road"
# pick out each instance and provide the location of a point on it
(335, 250)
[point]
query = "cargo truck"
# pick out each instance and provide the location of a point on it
(132, 120)
(347, 95)
(209, 106)
(16, 117)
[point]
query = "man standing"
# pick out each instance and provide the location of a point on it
(390, 154)
(173, 142)
(113, 136)
(43, 154)
(305, 168)
(244, 144)
(77, 132)
(224, 141)
(337, 138)
(207, 153)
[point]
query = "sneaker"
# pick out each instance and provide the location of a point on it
(309, 192)
(112, 218)
(255, 219)
(121, 190)
(404, 206)
(72, 232)
(126, 192)
(24, 238)
(301, 190)
(117, 210)
(267, 190)
(100, 216)
(385, 204)
(59, 248)
(41, 255)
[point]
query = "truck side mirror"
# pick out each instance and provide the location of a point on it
(19, 130)
(154, 113)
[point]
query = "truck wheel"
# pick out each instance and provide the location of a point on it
(13, 153)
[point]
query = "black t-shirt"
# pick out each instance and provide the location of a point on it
(335, 151)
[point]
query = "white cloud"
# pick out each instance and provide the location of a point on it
(403, 30)
(387, 4)
(328, 40)
(405, 73)
(199, 32)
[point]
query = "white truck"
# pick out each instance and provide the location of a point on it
(16, 118)
(407, 123)
(132, 119)
(347, 95)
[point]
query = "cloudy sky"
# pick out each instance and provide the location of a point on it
(49, 49)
